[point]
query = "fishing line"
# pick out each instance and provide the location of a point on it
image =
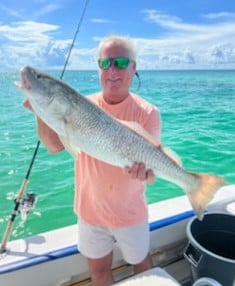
(23, 187)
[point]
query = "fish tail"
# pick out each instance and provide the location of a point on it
(203, 194)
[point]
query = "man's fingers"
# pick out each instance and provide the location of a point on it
(27, 105)
(138, 171)
(150, 176)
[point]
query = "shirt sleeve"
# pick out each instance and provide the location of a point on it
(153, 123)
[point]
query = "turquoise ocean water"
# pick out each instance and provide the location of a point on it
(198, 112)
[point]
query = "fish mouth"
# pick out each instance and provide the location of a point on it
(24, 83)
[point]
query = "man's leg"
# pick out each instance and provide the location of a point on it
(101, 270)
(144, 265)
(134, 242)
(96, 244)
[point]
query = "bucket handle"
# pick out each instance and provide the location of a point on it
(206, 281)
(193, 255)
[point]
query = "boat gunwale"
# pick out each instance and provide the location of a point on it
(73, 250)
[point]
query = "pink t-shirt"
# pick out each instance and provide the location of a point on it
(104, 194)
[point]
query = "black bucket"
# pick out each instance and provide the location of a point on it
(211, 247)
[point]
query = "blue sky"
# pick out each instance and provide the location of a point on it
(168, 34)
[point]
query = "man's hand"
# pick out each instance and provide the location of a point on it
(28, 105)
(139, 171)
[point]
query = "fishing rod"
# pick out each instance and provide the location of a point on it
(28, 203)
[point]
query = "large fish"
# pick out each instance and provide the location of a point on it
(84, 126)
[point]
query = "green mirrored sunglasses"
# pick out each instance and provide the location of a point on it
(119, 62)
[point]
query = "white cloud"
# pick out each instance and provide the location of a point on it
(83, 59)
(220, 15)
(26, 31)
(186, 45)
(168, 21)
(223, 53)
(40, 10)
(188, 56)
(100, 20)
(47, 9)
(31, 42)
(11, 12)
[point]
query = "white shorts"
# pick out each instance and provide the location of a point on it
(97, 241)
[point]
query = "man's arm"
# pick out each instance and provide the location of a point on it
(46, 135)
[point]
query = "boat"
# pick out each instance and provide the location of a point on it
(52, 258)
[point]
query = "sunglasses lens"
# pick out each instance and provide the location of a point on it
(104, 63)
(121, 63)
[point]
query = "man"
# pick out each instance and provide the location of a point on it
(110, 201)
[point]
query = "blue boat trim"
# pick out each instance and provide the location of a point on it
(42, 258)
(72, 250)
(170, 220)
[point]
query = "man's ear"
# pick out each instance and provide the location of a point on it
(134, 66)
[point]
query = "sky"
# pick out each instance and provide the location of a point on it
(168, 34)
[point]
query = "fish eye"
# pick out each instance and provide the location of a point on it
(38, 76)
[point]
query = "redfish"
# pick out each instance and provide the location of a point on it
(83, 126)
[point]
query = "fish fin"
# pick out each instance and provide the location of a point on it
(136, 127)
(172, 154)
(141, 131)
(69, 147)
(208, 186)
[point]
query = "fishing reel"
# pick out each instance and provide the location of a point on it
(26, 204)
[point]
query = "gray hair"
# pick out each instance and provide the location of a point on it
(119, 40)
